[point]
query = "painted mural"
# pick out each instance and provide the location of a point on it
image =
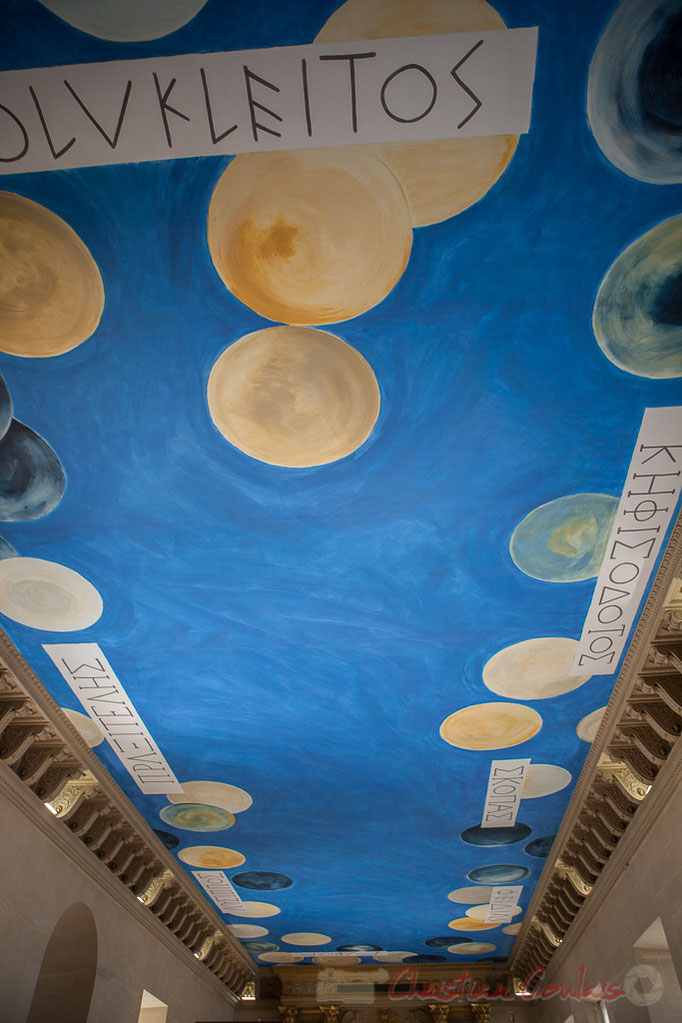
(323, 449)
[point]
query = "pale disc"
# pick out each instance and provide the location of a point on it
(443, 177)
(535, 669)
(336, 960)
(211, 857)
(472, 948)
(588, 726)
(491, 726)
(292, 396)
(306, 938)
(465, 923)
(281, 957)
(312, 236)
(51, 292)
(544, 780)
(85, 726)
(255, 909)
(512, 929)
(391, 957)
(46, 595)
(471, 896)
(480, 912)
(214, 793)
(247, 930)
(126, 20)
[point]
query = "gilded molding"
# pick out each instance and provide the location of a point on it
(628, 771)
(47, 757)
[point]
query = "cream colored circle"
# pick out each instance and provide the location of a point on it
(211, 857)
(255, 909)
(51, 292)
(480, 912)
(247, 930)
(306, 938)
(336, 960)
(588, 726)
(471, 896)
(471, 948)
(544, 780)
(535, 669)
(440, 178)
(491, 726)
(85, 726)
(465, 923)
(309, 237)
(280, 957)
(126, 20)
(46, 595)
(213, 793)
(391, 957)
(512, 928)
(292, 396)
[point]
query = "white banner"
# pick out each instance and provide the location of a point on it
(646, 507)
(93, 680)
(161, 108)
(219, 888)
(503, 798)
(503, 901)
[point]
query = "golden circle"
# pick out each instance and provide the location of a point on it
(471, 896)
(85, 726)
(480, 912)
(471, 948)
(293, 396)
(534, 669)
(391, 957)
(211, 857)
(247, 930)
(255, 909)
(306, 938)
(545, 780)
(512, 928)
(214, 793)
(491, 726)
(51, 292)
(309, 237)
(465, 923)
(443, 177)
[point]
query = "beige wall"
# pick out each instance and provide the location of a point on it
(648, 886)
(38, 882)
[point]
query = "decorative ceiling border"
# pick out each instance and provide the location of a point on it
(49, 771)
(631, 770)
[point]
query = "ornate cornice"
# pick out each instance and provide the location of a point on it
(631, 770)
(51, 774)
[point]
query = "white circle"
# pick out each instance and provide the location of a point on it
(46, 595)
(85, 726)
(126, 20)
(534, 669)
(247, 930)
(213, 793)
(544, 780)
(254, 909)
(588, 726)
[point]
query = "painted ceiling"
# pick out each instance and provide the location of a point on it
(331, 497)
